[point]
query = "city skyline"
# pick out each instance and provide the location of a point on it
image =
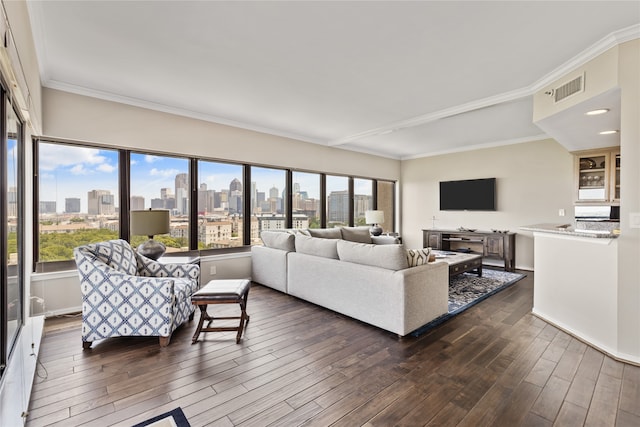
(72, 172)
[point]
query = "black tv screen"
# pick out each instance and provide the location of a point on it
(468, 195)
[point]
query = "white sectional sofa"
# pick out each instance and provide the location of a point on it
(369, 282)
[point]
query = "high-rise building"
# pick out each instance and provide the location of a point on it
(182, 193)
(254, 196)
(136, 203)
(12, 199)
(273, 192)
(101, 202)
(338, 207)
(165, 193)
(47, 207)
(158, 204)
(361, 203)
(72, 205)
(206, 199)
(235, 185)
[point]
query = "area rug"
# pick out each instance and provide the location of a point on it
(174, 418)
(467, 289)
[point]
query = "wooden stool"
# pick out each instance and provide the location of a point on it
(222, 292)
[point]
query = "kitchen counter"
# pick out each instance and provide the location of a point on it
(569, 231)
(575, 282)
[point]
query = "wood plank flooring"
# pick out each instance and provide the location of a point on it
(299, 364)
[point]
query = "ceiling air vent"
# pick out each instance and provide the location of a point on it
(570, 88)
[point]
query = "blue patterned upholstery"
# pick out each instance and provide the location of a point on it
(127, 294)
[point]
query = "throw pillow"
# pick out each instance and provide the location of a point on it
(417, 257)
(325, 233)
(356, 234)
(278, 240)
(391, 257)
(316, 246)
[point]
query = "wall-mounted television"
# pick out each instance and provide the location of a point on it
(468, 195)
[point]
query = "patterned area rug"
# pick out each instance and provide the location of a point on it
(173, 418)
(467, 289)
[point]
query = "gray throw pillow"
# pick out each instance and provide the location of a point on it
(391, 257)
(356, 234)
(326, 248)
(278, 240)
(325, 233)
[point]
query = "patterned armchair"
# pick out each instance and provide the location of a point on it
(127, 294)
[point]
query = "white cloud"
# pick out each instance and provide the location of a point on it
(105, 167)
(53, 156)
(164, 172)
(150, 159)
(58, 156)
(79, 170)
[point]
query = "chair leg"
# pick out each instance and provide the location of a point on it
(86, 344)
(164, 341)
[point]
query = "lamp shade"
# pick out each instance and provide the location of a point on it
(374, 217)
(150, 222)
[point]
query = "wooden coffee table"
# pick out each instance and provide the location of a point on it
(460, 262)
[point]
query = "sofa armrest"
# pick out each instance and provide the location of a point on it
(426, 292)
(150, 268)
(269, 267)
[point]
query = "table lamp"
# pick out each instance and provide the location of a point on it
(374, 218)
(150, 223)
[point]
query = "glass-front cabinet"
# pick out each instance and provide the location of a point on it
(598, 176)
(615, 176)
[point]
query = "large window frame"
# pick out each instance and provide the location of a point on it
(12, 296)
(125, 198)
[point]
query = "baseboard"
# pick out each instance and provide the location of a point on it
(616, 355)
(15, 388)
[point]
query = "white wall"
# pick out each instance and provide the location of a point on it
(629, 241)
(534, 181)
(81, 118)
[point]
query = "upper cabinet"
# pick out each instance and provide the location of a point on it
(597, 175)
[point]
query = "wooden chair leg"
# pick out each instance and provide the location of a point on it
(164, 341)
(86, 344)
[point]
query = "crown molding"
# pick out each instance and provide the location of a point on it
(149, 105)
(502, 143)
(611, 40)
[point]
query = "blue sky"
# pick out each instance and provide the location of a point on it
(69, 171)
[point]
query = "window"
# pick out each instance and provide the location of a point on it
(337, 201)
(161, 182)
(268, 193)
(362, 199)
(80, 191)
(305, 200)
(385, 202)
(11, 279)
(220, 205)
(78, 198)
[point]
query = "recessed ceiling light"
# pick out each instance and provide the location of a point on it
(608, 132)
(596, 112)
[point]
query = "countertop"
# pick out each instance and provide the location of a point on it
(571, 231)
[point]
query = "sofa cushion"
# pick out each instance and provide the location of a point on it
(385, 240)
(417, 257)
(356, 234)
(325, 233)
(326, 248)
(279, 240)
(391, 257)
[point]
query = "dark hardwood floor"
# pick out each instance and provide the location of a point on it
(299, 364)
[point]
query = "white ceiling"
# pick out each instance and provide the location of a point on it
(397, 79)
